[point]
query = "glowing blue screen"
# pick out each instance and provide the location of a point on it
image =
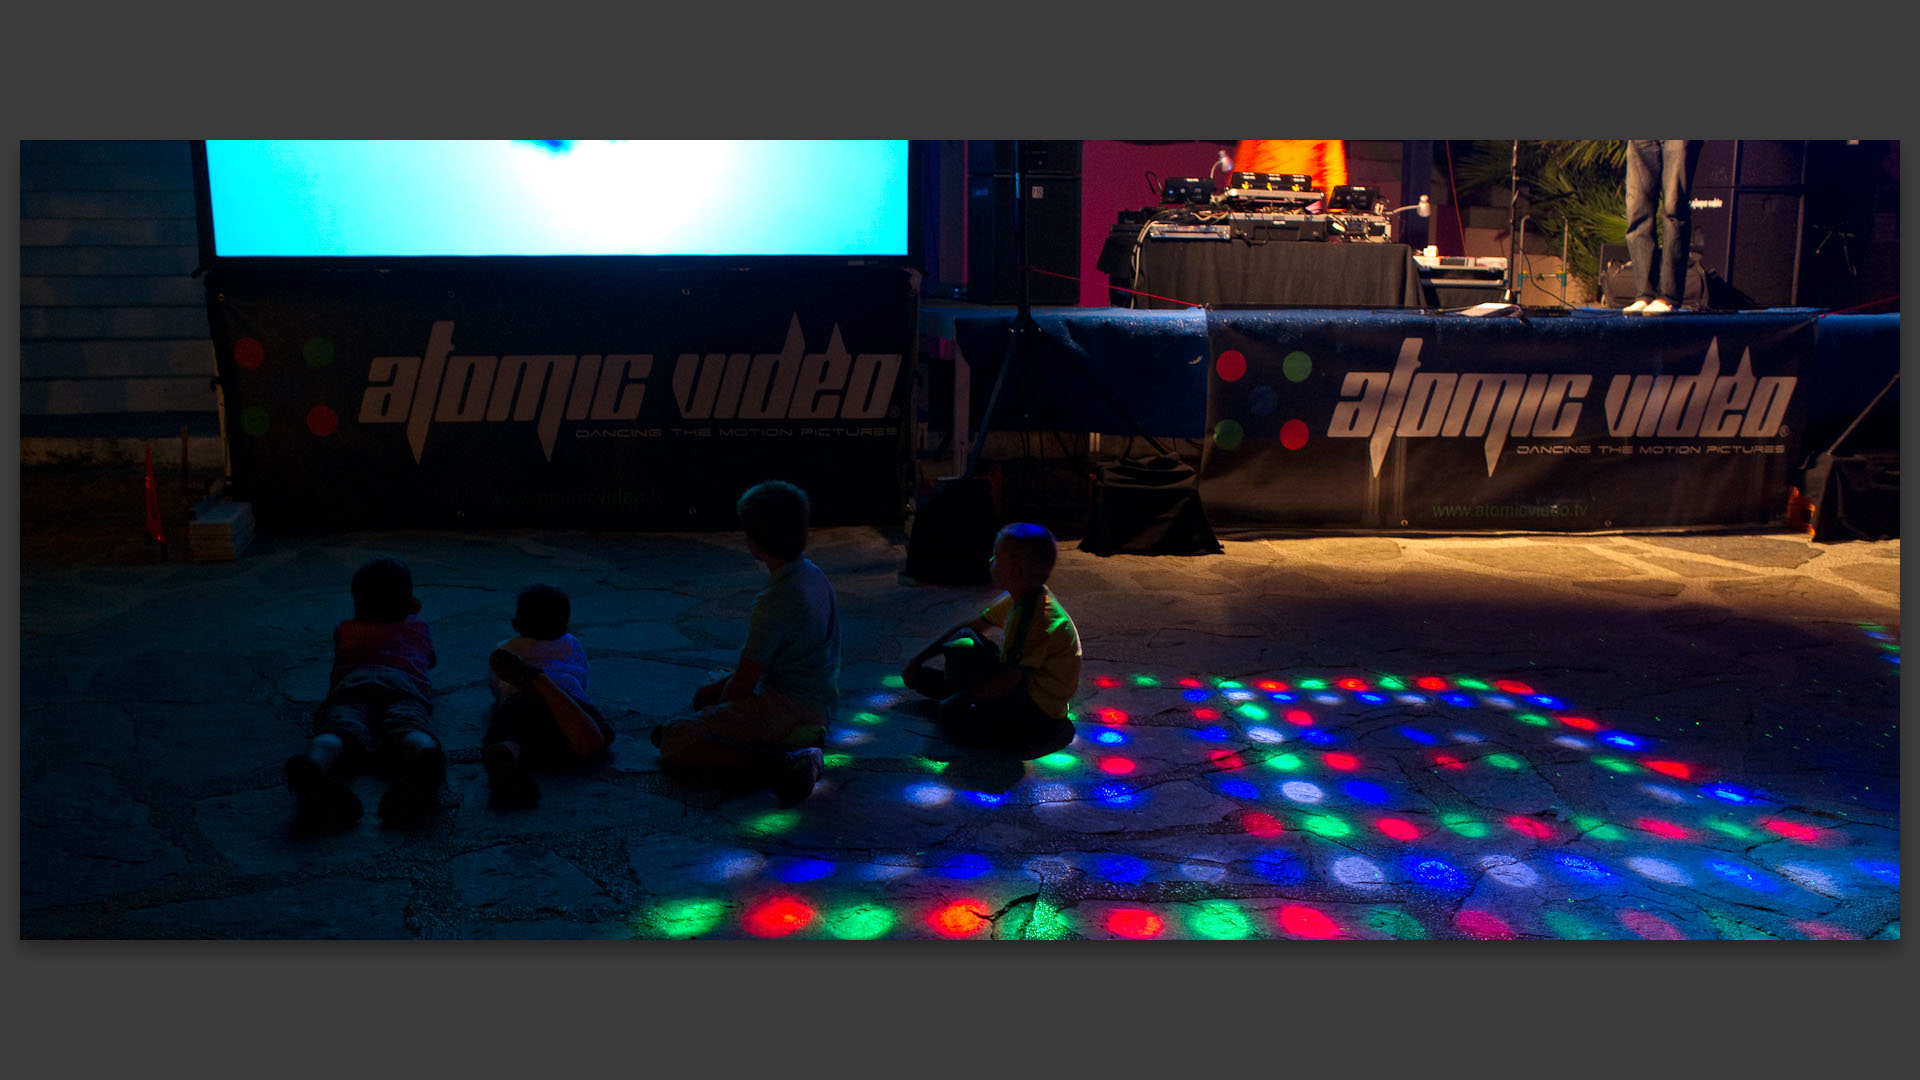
(524, 197)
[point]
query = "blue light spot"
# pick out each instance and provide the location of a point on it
(1211, 734)
(1239, 789)
(1194, 695)
(985, 798)
(1110, 737)
(1282, 695)
(1281, 866)
(1732, 793)
(1434, 874)
(1365, 791)
(1583, 868)
(804, 870)
(1888, 872)
(1372, 698)
(1623, 740)
(1740, 875)
(1124, 869)
(967, 865)
(1546, 702)
(1461, 700)
(1421, 737)
(1115, 793)
(1318, 737)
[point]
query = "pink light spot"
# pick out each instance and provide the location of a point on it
(1398, 828)
(1270, 686)
(1106, 682)
(1662, 828)
(777, 917)
(1293, 434)
(1580, 722)
(1299, 717)
(1533, 827)
(1484, 925)
(959, 919)
(1206, 714)
(1351, 684)
(1343, 762)
(1116, 766)
(1232, 365)
(1650, 926)
(1428, 682)
(1190, 683)
(1508, 686)
(1112, 716)
(1793, 830)
(1136, 923)
(1225, 759)
(1303, 921)
(1448, 761)
(1825, 931)
(1261, 824)
(1670, 768)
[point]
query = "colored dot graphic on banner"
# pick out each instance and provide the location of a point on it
(1232, 365)
(322, 421)
(318, 352)
(1227, 434)
(1293, 434)
(253, 420)
(1297, 366)
(249, 353)
(1263, 401)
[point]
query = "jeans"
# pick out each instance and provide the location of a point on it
(1670, 162)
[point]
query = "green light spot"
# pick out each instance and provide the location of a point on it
(1047, 923)
(1471, 684)
(1297, 366)
(1504, 761)
(1532, 718)
(1568, 927)
(1732, 929)
(1890, 646)
(1061, 760)
(1252, 712)
(1737, 831)
(894, 682)
(931, 765)
(253, 420)
(1285, 762)
(318, 352)
(1388, 682)
(682, 918)
(1464, 824)
(837, 761)
(1396, 923)
(1220, 920)
(772, 823)
(862, 922)
(1313, 684)
(1608, 833)
(1145, 680)
(1614, 764)
(868, 718)
(1227, 684)
(1227, 434)
(1326, 825)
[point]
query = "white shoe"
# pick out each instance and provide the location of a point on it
(1634, 308)
(1656, 306)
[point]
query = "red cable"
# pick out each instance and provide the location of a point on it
(1895, 298)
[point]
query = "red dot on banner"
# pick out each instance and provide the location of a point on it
(1293, 434)
(322, 421)
(249, 353)
(1231, 365)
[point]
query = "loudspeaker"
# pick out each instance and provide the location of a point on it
(1148, 507)
(1038, 157)
(1052, 209)
(1748, 163)
(1751, 239)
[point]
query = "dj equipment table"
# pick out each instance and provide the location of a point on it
(1237, 272)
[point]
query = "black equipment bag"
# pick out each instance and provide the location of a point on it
(1618, 288)
(1855, 497)
(953, 530)
(1148, 506)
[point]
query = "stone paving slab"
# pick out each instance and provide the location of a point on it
(1544, 737)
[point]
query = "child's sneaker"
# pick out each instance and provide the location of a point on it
(326, 802)
(512, 670)
(513, 787)
(798, 774)
(416, 789)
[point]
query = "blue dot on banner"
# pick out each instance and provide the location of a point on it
(1263, 401)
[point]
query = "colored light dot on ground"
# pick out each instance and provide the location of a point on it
(863, 922)
(769, 824)
(1293, 434)
(1135, 923)
(1533, 719)
(1613, 764)
(1106, 682)
(1670, 768)
(685, 918)
(1299, 717)
(1471, 684)
(1665, 829)
(1220, 920)
(1428, 682)
(249, 353)
(1508, 686)
(1650, 926)
(1464, 826)
(1206, 714)
(1252, 711)
(1257, 823)
(959, 919)
(1342, 762)
(868, 718)
(1145, 680)
(1285, 762)
(1580, 722)
(1224, 759)
(318, 352)
(1483, 925)
(1227, 434)
(837, 761)
(1296, 366)
(1313, 684)
(1116, 766)
(1533, 827)
(1396, 923)
(1232, 365)
(1398, 828)
(778, 917)
(894, 682)
(1058, 761)
(253, 420)
(1112, 716)
(1326, 825)
(1504, 761)
(1303, 921)
(322, 421)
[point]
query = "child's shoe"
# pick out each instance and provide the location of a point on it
(513, 787)
(512, 670)
(798, 774)
(416, 789)
(325, 802)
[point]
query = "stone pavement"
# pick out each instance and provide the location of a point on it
(1620, 736)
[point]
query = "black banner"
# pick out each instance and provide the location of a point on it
(645, 401)
(1555, 423)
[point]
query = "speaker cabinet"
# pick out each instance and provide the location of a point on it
(1751, 238)
(1038, 157)
(1052, 209)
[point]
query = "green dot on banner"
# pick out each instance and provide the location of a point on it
(318, 352)
(1227, 434)
(253, 420)
(1297, 366)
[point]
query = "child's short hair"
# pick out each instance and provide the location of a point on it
(1036, 548)
(542, 612)
(382, 590)
(774, 515)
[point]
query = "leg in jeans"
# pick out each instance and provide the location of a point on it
(746, 738)
(1643, 173)
(1677, 158)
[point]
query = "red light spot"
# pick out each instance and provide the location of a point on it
(1261, 824)
(1225, 759)
(1671, 768)
(1651, 926)
(1112, 716)
(1232, 365)
(1806, 834)
(1269, 685)
(1303, 921)
(958, 919)
(777, 917)
(1483, 925)
(1116, 766)
(1533, 827)
(1580, 722)
(1448, 761)
(1430, 683)
(1106, 682)
(249, 353)
(1293, 434)
(322, 421)
(1825, 932)
(1190, 683)
(1343, 762)
(1206, 714)
(1398, 828)
(1662, 828)
(1511, 687)
(1351, 684)
(1135, 923)
(1301, 717)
